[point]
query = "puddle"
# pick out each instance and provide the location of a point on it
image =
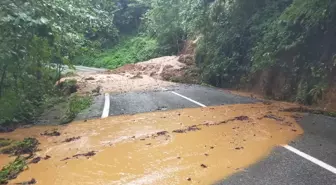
(133, 149)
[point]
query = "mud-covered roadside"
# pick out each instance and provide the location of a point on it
(154, 74)
(172, 147)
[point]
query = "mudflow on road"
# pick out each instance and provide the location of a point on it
(179, 134)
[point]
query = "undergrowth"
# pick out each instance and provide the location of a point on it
(129, 50)
(27, 146)
(12, 170)
(75, 105)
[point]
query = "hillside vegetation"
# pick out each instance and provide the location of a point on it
(129, 50)
(283, 49)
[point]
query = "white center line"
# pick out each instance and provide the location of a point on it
(311, 159)
(198, 103)
(292, 149)
(106, 109)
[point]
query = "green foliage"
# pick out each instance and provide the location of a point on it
(68, 86)
(5, 142)
(69, 74)
(76, 104)
(130, 50)
(12, 170)
(170, 21)
(27, 146)
(291, 39)
(37, 37)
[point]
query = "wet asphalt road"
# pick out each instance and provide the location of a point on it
(281, 167)
(140, 102)
(284, 167)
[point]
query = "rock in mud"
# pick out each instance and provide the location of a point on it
(204, 166)
(90, 78)
(189, 179)
(162, 133)
(36, 160)
(71, 139)
(67, 158)
(96, 90)
(46, 157)
(89, 154)
(238, 118)
(272, 116)
(189, 129)
(51, 133)
(32, 181)
(242, 118)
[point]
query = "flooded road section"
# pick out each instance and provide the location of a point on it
(189, 146)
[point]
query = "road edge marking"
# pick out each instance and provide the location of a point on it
(290, 148)
(106, 109)
(198, 103)
(311, 159)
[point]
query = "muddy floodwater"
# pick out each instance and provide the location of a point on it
(189, 146)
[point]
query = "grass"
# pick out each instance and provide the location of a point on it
(5, 142)
(69, 74)
(129, 50)
(12, 170)
(27, 146)
(76, 104)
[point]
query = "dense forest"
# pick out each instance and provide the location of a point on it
(285, 49)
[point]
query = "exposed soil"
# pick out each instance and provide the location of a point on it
(149, 75)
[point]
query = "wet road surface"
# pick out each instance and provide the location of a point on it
(285, 167)
(280, 167)
(139, 102)
(240, 152)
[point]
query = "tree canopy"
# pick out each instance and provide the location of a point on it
(284, 48)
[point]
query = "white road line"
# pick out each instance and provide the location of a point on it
(198, 103)
(294, 150)
(106, 109)
(311, 159)
(189, 99)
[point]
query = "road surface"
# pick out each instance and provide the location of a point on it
(309, 160)
(83, 69)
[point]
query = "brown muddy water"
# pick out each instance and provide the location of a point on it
(133, 149)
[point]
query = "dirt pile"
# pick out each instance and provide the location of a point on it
(169, 68)
(149, 75)
(153, 74)
(116, 83)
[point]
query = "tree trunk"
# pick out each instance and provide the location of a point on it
(2, 81)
